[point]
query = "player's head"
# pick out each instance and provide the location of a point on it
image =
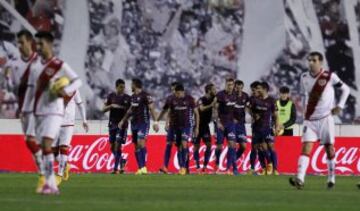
(210, 89)
(179, 91)
(315, 60)
(284, 93)
(172, 87)
(120, 85)
(264, 88)
(44, 42)
(136, 84)
(239, 85)
(24, 41)
(254, 86)
(229, 85)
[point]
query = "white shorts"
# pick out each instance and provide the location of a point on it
(48, 126)
(322, 130)
(64, 137)
(28, 124)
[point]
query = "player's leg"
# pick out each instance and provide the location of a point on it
(113, 144)
(240, 133)
(135, 141)
(197, 148)
(327, 138)
(142, 135)
(65, 137)
(185, 138)
(121, 140)
(231, 154)
(48, 128)
(273, 157)
(207, 140)
(253, 156)
(169, 142)
(219, 144)
(120, 137)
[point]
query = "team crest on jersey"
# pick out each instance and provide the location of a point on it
(322, 82)
(49, 71)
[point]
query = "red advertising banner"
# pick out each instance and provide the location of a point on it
(91, 153)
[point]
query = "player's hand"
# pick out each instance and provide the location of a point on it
(336, 110)
(86, 126)
(156, 127)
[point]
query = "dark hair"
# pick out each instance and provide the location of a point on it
(179, 87)
(208, 87)
(174, 84)
(239, 83)
(265, 85)
(137, 82)
(119, 81)
(284, 90)
(27, 34)
(45, 35)
(254, 84)
(318, 54)
(230, 80)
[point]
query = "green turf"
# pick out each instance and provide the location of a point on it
(173, 192)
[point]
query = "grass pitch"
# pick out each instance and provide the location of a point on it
(173, 192)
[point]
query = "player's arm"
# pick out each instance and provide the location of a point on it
(345, 92)
(75, 81)
(203, 107)
(197, 122)
(292, 119)
(216, 115)
(81, 106)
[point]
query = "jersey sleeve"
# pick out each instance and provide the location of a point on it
(75, 81)
(345, 89)
(167, 103)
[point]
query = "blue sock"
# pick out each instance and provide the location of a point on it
(234, 159)
(229, 158)
(143, 156)
(138, 158)
(239, 152)
(207, 156)
(253, 154)
(167, 154)
(117, 160)
(179, 157)
(274, 160)
(217, 156)
(197, 158)
(184, 157)
(262, 158)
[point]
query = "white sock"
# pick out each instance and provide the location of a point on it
(331, 170)
(39, 162)
(49, 171)
(303, 164)
(62, 164)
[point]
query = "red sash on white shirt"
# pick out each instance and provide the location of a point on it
(50, 69)
(316, 93)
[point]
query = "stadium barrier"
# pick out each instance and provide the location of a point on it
(91, 153)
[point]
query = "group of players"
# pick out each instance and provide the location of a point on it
(47, 114)
(187, 120)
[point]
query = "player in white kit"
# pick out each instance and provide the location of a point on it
(49, 107)
(62, 142)
(318, 85)
(18, 70)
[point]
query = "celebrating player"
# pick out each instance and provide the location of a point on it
(118, 104)
(61, 145)
(181, 112)
(49, 102)
(205, 108)
(241, 104)
(225, 127)
(141, 107)
(318, 85)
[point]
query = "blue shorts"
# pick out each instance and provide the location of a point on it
(139, 132)
(265, 136)
(228, 133)
(179, 135)
(117, 135)
(240, 133)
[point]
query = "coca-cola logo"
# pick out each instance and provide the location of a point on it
(345, 157)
